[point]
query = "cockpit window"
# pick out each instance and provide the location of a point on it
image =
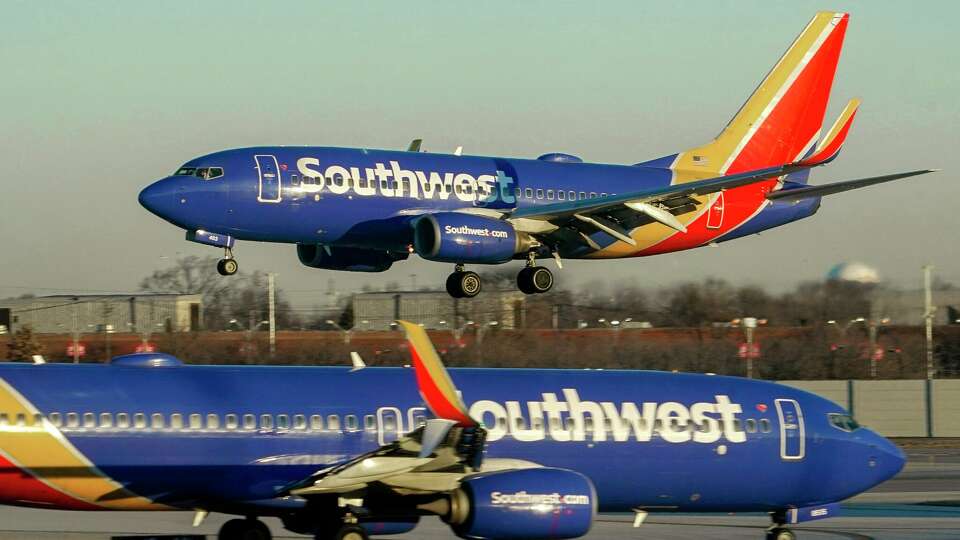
(206, 173)
(843, 422)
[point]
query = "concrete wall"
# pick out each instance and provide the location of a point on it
(904, 408)
(892, 408)
(835, 391)
(945, 407)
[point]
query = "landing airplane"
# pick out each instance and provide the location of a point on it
(345, 453)
(362, 210)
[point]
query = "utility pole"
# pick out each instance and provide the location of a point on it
(271, 307)
(872, 333)
(749, 324)
(76, 330)
(928, 314)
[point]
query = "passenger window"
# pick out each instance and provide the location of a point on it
(389, 423)
(573, 196)
(350, 422)
(213, 421)
(593, 194)
(157, 421)
(751, 425)
(549, 194)
(283, 421)
(232, 421)
(22, 419)
(583, 195)
(38, 419)
(295, 180)
(517, 192)
(299, 421)
(176, 421)
(123, 420)
(139, 420)
(249, 421)
(568, 423)
(196, 421)
(333, 422)
(539, 193)
(561, 195)
(316, 422)
(369, 422)
(106, 420)
(603, 194)
(266, 421)
(529, 192)
(4, 419)
(765, 425)
(54, 418)
(73, 420)
(737, 424)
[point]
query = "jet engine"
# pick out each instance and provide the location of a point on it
(467, 238)
(532, 504)
(346, 258)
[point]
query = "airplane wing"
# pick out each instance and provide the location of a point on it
(797, 194)
(432, 458)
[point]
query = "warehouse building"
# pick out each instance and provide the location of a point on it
(141, 312)
(437, 309)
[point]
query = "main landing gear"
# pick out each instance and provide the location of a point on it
(244, 529)
(227, 266)
(463, 284)
(534, 279)
(778, 532)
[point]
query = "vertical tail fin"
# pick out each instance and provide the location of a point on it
(781, 121)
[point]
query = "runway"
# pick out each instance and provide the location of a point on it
(922, 502)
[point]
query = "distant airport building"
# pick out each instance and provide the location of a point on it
(64, 314)
(906, 307)
(437, 310)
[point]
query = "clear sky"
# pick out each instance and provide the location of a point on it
(98, 99)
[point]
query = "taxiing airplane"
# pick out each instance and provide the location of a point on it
(345, 453)
(361, 210)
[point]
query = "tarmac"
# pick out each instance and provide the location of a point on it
(923, 501)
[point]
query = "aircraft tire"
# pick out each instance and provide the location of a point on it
(244, 529)
(535, 280)
(464, 284)
(227, 267)
(348, 532)
(781, 534)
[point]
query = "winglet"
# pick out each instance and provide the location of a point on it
(433, 381)
(357, 361)
(830, 146)
(415, 145)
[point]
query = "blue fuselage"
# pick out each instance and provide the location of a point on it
(211, 436)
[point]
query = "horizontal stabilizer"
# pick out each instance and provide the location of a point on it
(839, 187)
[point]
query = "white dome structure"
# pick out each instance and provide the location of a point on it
(854, 271)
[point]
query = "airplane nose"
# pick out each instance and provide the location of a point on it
(162, 197)
(887, 459)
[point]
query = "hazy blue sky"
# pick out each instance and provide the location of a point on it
(99, 99)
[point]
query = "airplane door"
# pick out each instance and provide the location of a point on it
(792, 436)
(269, 178)
(389, 424)
(715, 213)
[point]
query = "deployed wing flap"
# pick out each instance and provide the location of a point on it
(797, 194)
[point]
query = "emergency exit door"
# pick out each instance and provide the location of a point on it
(792, 436)
(269, 178)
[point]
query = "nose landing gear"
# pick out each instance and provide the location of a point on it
(463, 284)
(227, 266)
(244, 529)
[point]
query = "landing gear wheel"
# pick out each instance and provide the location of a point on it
(535, 280)
(227, 267)
(351, 532)
(244, 529)
(780, 533)
(463, 284)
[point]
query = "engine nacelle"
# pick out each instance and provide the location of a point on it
(345, 258)
(532, 504)
(467, 238)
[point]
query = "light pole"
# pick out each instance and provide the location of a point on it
(346, 333)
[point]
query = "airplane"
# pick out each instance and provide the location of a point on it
(361, 210)
(347, 453)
